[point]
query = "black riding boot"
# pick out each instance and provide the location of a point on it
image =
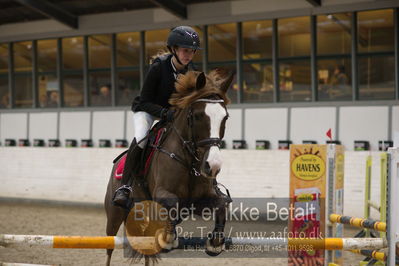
(131, 169)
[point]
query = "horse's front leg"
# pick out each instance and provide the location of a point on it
(215, 242)
(166, 236)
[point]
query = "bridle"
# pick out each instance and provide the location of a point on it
(208, 141)
(192, 145)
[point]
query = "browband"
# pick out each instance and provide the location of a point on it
(210, 100)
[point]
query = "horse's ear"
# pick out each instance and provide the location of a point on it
(227, 82)
(201, 81)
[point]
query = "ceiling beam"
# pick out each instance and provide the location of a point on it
(49, 10)
(176, 7)
(314, 3)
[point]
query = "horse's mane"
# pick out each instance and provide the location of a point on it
(185, 88)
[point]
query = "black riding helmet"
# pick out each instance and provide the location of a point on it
(183, 36)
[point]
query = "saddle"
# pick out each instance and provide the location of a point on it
(154, 138)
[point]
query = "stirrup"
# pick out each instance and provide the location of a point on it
(125, 187)
(125, 190)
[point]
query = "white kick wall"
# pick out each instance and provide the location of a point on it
(312, 123)
(42, 126)
(108, 125)
(74, 125)
(81, 174)
(13, 125)
(265, 124)
(348, 123)
(363, 123)
(395, 125)
(233, 127)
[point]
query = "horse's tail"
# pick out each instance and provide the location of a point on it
(135, 257)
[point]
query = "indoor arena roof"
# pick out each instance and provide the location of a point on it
(68, 11)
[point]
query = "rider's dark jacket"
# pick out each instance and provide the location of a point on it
(158, 86)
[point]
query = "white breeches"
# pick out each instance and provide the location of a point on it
(142, 122)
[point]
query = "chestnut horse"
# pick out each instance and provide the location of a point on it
(185, 164)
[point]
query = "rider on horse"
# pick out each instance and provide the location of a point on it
(152, 104)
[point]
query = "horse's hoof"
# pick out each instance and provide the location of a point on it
(213, 250)
(164, 250)
(168, 244)
(175, 244)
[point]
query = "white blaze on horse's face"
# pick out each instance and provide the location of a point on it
(216, 113)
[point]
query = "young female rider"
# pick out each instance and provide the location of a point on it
(183, 41)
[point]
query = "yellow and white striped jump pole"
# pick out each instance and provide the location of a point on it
(79, 242)
(338, 243)
(110, 242)
(359, 222)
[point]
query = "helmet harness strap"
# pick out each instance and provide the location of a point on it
(172, 50)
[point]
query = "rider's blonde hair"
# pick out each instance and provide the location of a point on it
(160, 53)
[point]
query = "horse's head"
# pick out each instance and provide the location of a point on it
(203, 100)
